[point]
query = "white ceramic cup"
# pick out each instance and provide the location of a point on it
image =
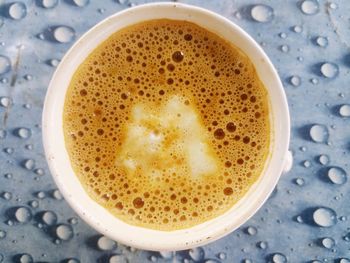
(97, 216)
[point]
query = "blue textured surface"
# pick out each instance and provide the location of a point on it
(316, 100)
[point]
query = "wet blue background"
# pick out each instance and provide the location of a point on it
(315, 101)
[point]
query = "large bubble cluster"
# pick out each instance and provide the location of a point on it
(148, 64)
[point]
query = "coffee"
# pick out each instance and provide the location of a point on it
(166, 124)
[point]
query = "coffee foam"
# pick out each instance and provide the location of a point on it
(166, 124)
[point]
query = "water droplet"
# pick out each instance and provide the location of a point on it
(344, 110)
(153, 258)
(17, 10)
(282, 35)
(29, 147)
(303, 148)
(9, 150)
(262, 13)
(33, 203)
(322, 41)
(337, 175)
(342, 218)
(57, 195)
(166, 254)
(7, 196)
(39, 171)
(197, 254)
(81, 3)
(72, 260)
(306, 164)
(2, 134)
(344, 260)
(262, 245)
(28, 77)
(297, 29)
(64, 34)
(8, 175)
(117, 259)
(247, 260)
(40, 195)
(5, 64)
(49, 3)
(2, 234)
(222, 256)
(300, 58)
(347, 237)
(27, 106)
(29, 164)
(314, 81)
(295, 81)
(284, 48)
(26, 258)
(323, 159)
(104, 243)
(310, 7)
(328, 242)
(319, 133)
(333, 6)
(64, 232)
(53, 62)
(279, 258)
(23, 133)
(251, 230)
(73, 221)
(237, 15)
(329, 70)
(102, 10)
(212, 261)
(23, 215)
(324, 217)
(49, 218)
(41, 36)
(5, 102)
(299, 181)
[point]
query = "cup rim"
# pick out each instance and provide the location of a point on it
(162, 244)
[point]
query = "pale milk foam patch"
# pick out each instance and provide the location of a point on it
(167, 138)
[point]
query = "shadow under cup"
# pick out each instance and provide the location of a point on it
(97, 216)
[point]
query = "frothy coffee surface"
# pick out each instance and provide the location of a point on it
(166, 124)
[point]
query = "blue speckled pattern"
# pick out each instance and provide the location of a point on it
(307, 217)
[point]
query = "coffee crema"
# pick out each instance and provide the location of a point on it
(166, 124)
